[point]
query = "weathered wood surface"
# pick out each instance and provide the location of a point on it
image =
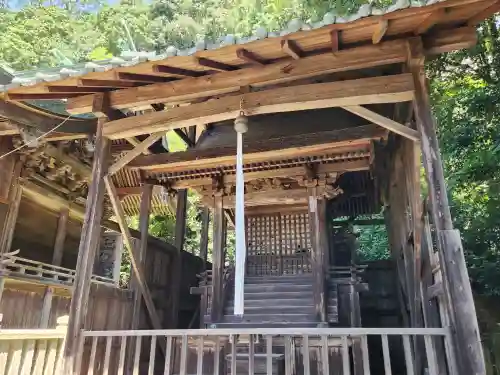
(389, 89)
(284, 70)
(12, 193)
(217, 259)
(452, 260)
(89, 241)
(333, 142)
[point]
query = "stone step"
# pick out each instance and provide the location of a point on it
(299, 301)
(277, 288)
(274, 310)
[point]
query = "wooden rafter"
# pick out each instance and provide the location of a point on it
(145, 78)
(75, 89)
(380, 31)
(483, 14)
(182, 135)
(173, 70)
(291, 48)
(216, 65)
(334, 40)
(250, 57)
(282, 71)
(135, 142)
(430, 21)
(383, 121)
(388, 89)
(87, 82)
(335, 142)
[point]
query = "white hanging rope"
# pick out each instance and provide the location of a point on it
(241, 126)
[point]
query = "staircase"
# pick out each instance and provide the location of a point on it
(276, 301)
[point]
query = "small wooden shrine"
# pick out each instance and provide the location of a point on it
(292, 137)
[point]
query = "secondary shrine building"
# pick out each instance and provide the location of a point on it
(293, 139)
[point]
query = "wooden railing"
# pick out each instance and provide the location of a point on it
(276, 265)
(298, 351)
(12, 265)
(33, 351)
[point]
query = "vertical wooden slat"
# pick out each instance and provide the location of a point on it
(233, 355)
(366, 357)
(184, 354)
(325, 363)
(79, 357)
(217, 356)
(217, 260)
(431, 355)
(51, 357)
(152, 355)
(4, 355)
(288, 355)
(408, 355)
(27, 360)
(251, 355)
(346, 367)
(137, 355)
(92, 355)
(305, 355)
(107, 355)
(121, 360)
(15, 356)
(386, 354)
(269, 355)
(168, 356)
(199, 356)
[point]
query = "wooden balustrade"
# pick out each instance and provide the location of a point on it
(12, 265)
(33, 351)
(298, 351)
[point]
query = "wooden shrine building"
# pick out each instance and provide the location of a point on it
(291, 137)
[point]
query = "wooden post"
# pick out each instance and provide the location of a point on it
(147, 194)
(456, 283)
(89, 241)
(180, 231)
(316, 226)
(205, 223)
(13, 199)
(217, 259)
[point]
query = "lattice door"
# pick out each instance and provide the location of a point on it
(278, 244)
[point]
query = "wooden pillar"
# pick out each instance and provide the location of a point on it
(89, 241)
(180, 231)
(56, 261)
(141, 250)
(452, 260)
(217, 260)
(317, 225)
(12, 191)
(205, 223)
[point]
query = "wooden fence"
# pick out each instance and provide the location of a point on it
(299, 351)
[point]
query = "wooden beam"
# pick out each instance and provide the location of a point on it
(129, 156)
(291, 48)
(135, 142)
(14, 195)
(250, 57)
(177, 71)
(339, 166)
(430, 21)
(89, 241)
(464, 37)
(380, 31)
(136, 265)
(20, 96)
(334, 40)
(216, 65)
(75, 89)
(484, 14)
(385, 122)
(270, 197)
(144, 78)
(87, 82)
(184, 137)
(335, 142)
(387, 89)
(385, 53)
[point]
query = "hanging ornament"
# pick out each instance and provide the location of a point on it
(241, 127)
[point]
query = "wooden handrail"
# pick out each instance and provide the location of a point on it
(10, 264)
